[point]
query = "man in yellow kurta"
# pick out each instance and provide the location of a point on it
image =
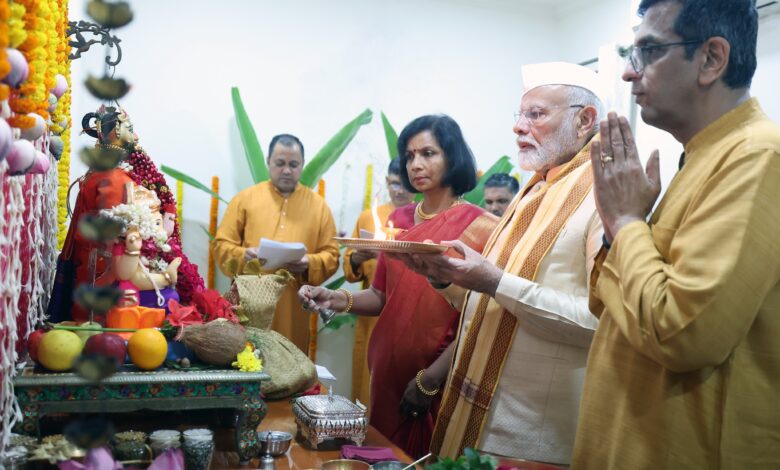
(684, 370)
(359, 266)
(282, 210)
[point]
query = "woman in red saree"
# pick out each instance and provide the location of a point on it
(415, 323)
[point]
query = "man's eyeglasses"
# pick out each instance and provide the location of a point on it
(536, 116)
(639, 56)
(395, 186)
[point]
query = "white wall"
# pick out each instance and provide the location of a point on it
(308, 67)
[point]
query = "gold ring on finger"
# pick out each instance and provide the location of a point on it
(606, 159)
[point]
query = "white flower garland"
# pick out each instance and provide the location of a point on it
(142, 219)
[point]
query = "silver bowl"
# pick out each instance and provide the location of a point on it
(345, 464)
(274, 443)
(389, 465)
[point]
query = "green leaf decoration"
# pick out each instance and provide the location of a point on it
(336, 283)
(328, 155)
(189, 180)
(391, 136)
(477, 195)
(211, 237)
(254, 153)
(339, 321)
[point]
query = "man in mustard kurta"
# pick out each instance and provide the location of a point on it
(684, 369)
(359, 266)
(285, 211)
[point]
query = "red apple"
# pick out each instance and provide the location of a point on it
(33, 341)
(107, 344)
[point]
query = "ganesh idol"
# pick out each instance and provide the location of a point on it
(86, 261)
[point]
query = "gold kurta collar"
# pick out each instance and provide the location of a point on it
(730, 122)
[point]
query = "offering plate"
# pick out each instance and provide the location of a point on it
(391, 246)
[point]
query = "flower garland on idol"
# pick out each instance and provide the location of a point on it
(144, 172)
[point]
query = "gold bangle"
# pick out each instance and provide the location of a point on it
(132, 253)
(349, 300)
(420, 387)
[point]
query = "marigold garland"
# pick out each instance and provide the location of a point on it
(5, 15)
(36, 49)
(369, 184)
(62, 116)
(16, 33)
(213, 228)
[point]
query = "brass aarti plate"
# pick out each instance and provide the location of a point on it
(391, 246)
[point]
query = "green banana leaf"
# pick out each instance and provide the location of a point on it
(391, 136)
(189, 180)
(336, 283)
(208, 234)
(477, 195)
(328, 155)
(252, 149)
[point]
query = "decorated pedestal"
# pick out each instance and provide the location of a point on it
(40, 394)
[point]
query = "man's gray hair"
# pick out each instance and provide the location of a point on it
(585, 97)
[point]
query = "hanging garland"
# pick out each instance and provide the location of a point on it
(5, 66)
(369, 183)
(28, 223)
(213, 228)
(32, 96)
(61, 120)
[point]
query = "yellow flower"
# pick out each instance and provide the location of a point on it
(247, 361)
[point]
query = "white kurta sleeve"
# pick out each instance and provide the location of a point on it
(556, 315)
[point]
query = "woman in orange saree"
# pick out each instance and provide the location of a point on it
(415, 323)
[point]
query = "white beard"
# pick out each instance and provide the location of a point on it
(549, 155)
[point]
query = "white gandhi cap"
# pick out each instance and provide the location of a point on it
(563, 73)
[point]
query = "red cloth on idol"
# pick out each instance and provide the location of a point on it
(99, 190)
(414, 327)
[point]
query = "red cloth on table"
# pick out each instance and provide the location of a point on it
(369, 455)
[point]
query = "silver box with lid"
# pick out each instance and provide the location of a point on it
(322, 417)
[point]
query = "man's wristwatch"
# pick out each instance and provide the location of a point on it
(605, 243)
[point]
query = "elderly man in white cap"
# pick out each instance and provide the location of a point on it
(526, 328)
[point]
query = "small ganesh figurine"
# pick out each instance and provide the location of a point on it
(137, 266)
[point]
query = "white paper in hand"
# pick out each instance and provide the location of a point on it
(277, 254)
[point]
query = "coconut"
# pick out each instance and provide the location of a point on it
(217, 342)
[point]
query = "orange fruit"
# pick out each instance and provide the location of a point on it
(147, 348)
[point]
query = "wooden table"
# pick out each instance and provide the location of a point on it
(299, 457)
